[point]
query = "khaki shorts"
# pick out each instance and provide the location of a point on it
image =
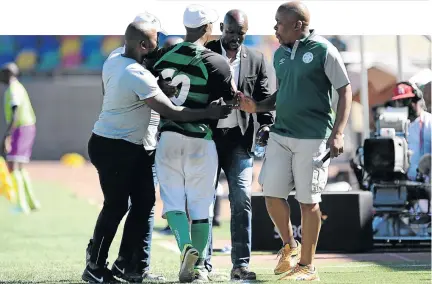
(288, 163)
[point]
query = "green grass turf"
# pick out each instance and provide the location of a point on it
(49, 247)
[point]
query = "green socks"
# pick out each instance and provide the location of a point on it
(200, 237)
(179, 225)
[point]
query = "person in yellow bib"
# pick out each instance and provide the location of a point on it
(20, 135)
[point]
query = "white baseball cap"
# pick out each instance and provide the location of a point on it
(196, 16)
(151, 20)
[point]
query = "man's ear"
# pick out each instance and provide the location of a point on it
(143, 44)
(299, 25)
(207, 28)
(221, 27)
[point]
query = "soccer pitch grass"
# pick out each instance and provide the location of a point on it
(49, 247)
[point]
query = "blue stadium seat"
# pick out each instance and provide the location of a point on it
(5, 58)
(90, 44)
(93, 38)
(94, 61)
(49, 61)
(7, 44)
(26, 42)
(48, 43)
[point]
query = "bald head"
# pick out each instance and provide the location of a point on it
(137, 32)
(298, 10)
(292, 22)
(140, 40)
(171, 41)
(235, 16)
(234, 29)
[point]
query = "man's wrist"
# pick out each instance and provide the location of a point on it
(337, 134)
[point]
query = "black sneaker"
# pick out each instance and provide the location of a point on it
(88, 250)
(123, 270)
(242, 273)
(98, 275)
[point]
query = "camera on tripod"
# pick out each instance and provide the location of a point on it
(402, 207)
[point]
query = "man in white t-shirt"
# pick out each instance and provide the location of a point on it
(116, 148)
(140, 267)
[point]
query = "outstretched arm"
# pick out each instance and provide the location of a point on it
(163, 105)
(268, 104)
(248, 104)
(146, 88)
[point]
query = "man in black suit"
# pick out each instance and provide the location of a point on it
(235, 136)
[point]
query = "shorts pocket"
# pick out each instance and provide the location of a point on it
(319, 180)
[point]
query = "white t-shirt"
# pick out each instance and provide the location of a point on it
(150, 137)
(127, 84)
(419, 141)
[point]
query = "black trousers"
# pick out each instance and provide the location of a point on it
(125, 170)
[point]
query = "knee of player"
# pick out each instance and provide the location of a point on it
(273, 201)
(312, 208)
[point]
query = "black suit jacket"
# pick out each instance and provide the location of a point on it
(253, 82)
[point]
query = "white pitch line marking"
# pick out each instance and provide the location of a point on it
(396, 255)
(169, 246)
(353, 266)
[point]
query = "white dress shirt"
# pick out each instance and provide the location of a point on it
(232, 120)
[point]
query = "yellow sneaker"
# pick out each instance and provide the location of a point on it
(289, 257)
(302, 273)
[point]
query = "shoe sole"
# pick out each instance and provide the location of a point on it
(187, 271)
(238, 278)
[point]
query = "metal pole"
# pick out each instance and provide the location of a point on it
(430, 54)
(399, 57)
(364, 90)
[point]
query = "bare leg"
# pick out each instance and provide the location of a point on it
(279, 212)
(311, 225)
